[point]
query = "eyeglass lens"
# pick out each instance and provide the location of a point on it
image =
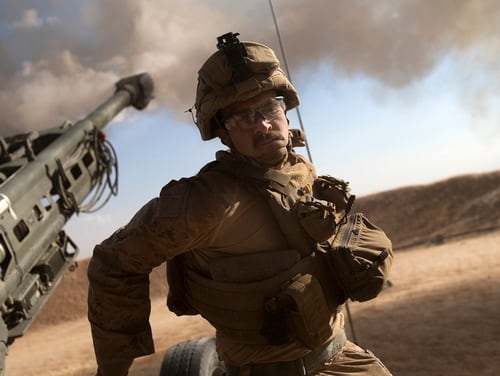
(246, 119)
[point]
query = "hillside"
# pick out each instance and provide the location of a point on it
(414, 215)
(436, 212)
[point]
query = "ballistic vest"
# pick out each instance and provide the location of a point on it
(245, 298)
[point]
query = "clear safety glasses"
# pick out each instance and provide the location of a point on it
(245, 119)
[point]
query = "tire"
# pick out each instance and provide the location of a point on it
(195, 357)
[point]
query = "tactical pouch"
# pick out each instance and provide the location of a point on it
(319, 218)
(316, 219)
(306, 310)
(333, 190)
(360, 258)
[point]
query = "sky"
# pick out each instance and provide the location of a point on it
(393, 93)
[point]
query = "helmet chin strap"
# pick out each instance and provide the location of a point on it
(224, 136)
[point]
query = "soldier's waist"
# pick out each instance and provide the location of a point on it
(298, 367)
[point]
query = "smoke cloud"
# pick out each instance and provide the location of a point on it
(60, 59)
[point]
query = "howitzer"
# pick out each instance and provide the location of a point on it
(45, 178)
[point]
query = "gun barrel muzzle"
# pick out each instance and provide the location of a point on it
(140, 87)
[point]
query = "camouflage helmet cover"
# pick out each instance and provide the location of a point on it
(218, 88)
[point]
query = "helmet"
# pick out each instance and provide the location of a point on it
(236, 72)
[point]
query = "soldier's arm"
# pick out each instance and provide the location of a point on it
(181, 219)
(118, 300)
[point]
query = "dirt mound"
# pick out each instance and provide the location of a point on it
(436, 212)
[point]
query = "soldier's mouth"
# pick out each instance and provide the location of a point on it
(268, 138)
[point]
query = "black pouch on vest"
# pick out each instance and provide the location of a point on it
(275, 326)
(306, 310)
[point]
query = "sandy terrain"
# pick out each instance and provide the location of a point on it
(440, 317)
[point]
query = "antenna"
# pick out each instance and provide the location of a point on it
(348, 311)
(288, 73)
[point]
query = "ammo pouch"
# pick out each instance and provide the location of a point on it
(336, 191)
(360, 257)
(319, 219)
(305, 310)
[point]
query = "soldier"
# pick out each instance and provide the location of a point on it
(251, 241)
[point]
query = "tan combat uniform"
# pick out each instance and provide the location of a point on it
(209, 217)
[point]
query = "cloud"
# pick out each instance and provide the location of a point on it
(96, 219)
(29, 19)
(72, 53)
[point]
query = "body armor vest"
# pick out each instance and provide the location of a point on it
(250, 307)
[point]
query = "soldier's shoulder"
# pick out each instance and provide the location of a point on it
(206, 186)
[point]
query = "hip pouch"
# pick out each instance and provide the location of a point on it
(306, 311)
(360, 258)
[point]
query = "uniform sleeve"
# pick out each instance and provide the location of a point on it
(118, 299)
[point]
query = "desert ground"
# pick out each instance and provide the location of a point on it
(440, 317)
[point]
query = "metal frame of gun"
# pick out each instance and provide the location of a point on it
(45, 177)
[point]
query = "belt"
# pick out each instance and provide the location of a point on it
(298, 367)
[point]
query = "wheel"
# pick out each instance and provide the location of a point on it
(195, 357)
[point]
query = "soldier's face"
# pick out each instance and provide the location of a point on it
(258, 127)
